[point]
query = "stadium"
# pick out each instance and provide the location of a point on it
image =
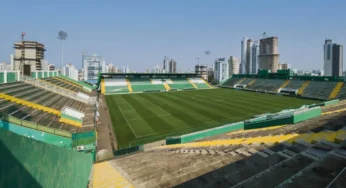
(172, 130)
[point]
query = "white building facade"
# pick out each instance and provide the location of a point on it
(221, 70)
(249, 56)
(333, 58)
(233, 66)
(92, 66)
(71, 72)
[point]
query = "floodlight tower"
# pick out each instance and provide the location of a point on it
(62, 35)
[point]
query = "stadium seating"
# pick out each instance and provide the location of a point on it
(200, 83)
(248, 81)
(266, 85)
(232, 81)
(312, 89)
(295, 84)
(180, 83)
(34, 97)
(64, 84)
(318, 89)
(116, 85)
(128, 85)
(139, 85)
(306, 154)
(342, 93)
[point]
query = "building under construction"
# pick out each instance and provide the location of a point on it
(28, 56)
(269, 54)
(202, 70)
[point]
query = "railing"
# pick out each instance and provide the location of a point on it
(35, 126)
(56, 89)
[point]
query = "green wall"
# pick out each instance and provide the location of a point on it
(30, 163)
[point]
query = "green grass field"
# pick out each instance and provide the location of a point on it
(147, 117)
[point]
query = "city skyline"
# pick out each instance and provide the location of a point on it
(185, 36)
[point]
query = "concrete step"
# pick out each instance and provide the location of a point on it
(320, 174)
(273, 176)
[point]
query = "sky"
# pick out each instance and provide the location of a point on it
(140, 33)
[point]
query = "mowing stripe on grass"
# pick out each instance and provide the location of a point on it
(128, 123)
(189, 111)
(155, 123)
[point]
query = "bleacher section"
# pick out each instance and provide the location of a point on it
(180, 83)
(326, 90)
(247, 81)
(232, 81)
(140, 85)
(200, 83)
(29, 103)
(342, 93)
(295, 84)
(64, 84)
(307, 154)
(319, 89)
(116, 85)
(266, 85)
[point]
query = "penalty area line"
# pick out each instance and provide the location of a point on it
(127, 121)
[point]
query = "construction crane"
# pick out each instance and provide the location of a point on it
(264, 35)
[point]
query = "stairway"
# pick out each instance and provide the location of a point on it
(284, 84)
(166, 86)
(336, 90)
(252, 82)
(129, 87)
(304, 86)
(192, 83)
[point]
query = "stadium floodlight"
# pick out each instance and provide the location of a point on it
(62, 35)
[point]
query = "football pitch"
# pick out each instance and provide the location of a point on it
(147, 117)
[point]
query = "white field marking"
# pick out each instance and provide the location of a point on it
(128, 123)
(156, 105)
(125, 102)
(206, 124)
(129, 111)
(149, 117)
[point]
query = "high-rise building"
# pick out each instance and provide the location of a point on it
(28, 56)
(220, 70)
(249, 53)
(269, 54)
(333, 58)
(169, 65)
(92, 66)
(254, 58)
(126, 69)
(71, 72)
(233, 65)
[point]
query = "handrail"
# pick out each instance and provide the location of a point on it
(56, 89)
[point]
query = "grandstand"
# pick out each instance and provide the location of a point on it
(199, 136)
(138, 83)
(324, 88)
(53, 115)
(308, 154)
